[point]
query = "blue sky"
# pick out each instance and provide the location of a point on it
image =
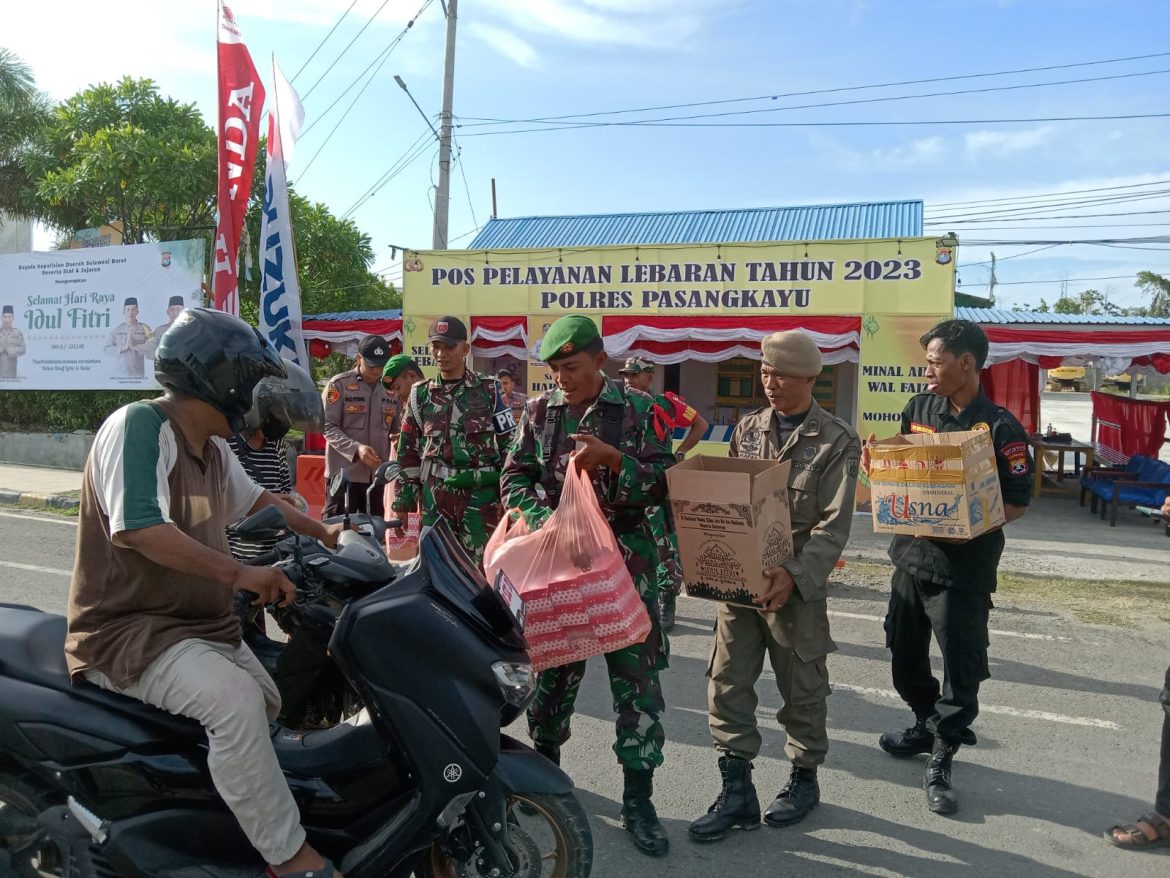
(526, 59)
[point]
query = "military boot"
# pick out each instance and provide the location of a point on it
(736, 807)
(940, 795)
(909, 742)
(799, 796)
(666, 609)
(638, 814)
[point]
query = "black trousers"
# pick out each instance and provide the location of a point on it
(1162, 800)
(958, 621)
(357, 501)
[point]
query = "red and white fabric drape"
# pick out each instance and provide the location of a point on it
(499, 337)
(1015, 385)
(668, 340)
(1131, 426)
(342, 336)
(1113, 351)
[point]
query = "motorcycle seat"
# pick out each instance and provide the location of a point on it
(32, 649)
(328, 752)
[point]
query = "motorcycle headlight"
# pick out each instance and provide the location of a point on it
(517, 682)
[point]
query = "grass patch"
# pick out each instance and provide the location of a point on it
(1120, 603)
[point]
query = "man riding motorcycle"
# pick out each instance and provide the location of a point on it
(151, 601)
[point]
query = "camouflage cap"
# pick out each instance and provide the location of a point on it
(397, 364)
(569, 335)
(636, 366)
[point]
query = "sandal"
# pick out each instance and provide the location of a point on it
(1148, 831)
(327, 872)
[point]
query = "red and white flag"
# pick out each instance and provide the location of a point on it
(241, 101)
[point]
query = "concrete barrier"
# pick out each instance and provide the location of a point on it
(61, 450)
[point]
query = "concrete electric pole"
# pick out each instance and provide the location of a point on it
(443, 190)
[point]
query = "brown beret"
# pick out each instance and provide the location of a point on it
(792, 353)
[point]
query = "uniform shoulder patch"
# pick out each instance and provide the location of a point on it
(332, 394)
(982, 427)
(1016, 455)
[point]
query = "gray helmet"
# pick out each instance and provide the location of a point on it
(281, 404)
(217, 358)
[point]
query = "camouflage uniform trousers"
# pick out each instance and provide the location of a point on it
(472, 513)
(633, 676)
(669, 572)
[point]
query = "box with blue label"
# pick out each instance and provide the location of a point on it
(936, 485)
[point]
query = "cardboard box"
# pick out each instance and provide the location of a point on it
(732, 520)
(936, 485)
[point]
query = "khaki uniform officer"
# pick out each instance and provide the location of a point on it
(11, 344)
(360, 416)
(129, 343)
(175, 307)
(792, 625)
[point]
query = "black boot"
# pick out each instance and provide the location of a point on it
(638, 814)
(736, 807)
(909, 742)
(551, 752)
(799, 796)
(940, 795)
(666, 610)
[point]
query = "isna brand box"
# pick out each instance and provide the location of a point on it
(936, 485)
(732, 520)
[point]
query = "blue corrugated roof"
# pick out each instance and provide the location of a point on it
(995, 315)
(356, 315)
(818, 222)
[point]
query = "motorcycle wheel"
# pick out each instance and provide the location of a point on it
(554, 841)
(24, 849)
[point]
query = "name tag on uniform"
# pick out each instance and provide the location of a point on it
(922, 428)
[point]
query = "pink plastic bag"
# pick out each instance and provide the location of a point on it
(579, 598)
(405, 547)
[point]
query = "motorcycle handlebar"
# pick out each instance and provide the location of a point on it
(264, 559)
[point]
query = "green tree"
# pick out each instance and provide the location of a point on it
(123, 153)
(1157, 287)
(1086, 302)
(23, 110)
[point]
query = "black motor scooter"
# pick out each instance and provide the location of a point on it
(95, 785)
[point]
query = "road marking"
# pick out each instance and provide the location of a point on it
(33, 568)
(52, 519)
(1024, 634)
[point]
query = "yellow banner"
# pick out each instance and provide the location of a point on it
(887, 276)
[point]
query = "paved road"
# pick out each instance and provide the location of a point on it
(1068, 745)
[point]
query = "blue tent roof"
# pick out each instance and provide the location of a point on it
(997, 316)
(356, 315)
(820, 222)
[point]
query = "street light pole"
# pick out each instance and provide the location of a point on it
(443, 190)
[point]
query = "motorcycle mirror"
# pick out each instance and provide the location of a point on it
(266, 522)
(337, 481)
(387, 472)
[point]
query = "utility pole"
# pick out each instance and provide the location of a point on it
(991, 284)
(443, 190)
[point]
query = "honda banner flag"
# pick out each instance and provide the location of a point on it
(280, 293)
(241, 101)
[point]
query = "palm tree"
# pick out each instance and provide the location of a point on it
(23, 109)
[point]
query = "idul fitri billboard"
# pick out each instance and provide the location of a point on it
(90, 319)
(896, 288)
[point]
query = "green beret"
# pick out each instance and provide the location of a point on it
(569, 335)
(396, 364)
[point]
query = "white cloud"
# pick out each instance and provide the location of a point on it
(507, 43)
(650, 24)
(917, 153)
(999, 144)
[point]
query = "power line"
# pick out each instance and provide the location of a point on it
(412, 153)
(466, 188)
(853, 124)
(1005, 258)
(1070, 280)
(1049, 194)
(1025, 219)
(846, 88)
(348, 46)
(323, 42)
(854, 102)
(1092, 201)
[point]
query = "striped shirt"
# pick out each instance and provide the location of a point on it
(268, 467)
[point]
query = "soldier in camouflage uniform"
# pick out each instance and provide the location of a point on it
(456, 430)
(625, 445)
(129, 343)
(638, 373)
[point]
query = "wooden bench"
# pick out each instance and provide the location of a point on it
(1111, 456)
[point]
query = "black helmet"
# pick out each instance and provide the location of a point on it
(217, 358)
(280, 404)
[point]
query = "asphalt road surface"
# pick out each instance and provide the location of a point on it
(1068, 745)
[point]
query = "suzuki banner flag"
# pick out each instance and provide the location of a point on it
(241, 101)
(280, 293)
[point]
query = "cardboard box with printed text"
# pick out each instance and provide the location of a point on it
(936, 485)
(731, 517)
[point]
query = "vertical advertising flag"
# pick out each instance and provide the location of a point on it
(241, 100)
(280, 292)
